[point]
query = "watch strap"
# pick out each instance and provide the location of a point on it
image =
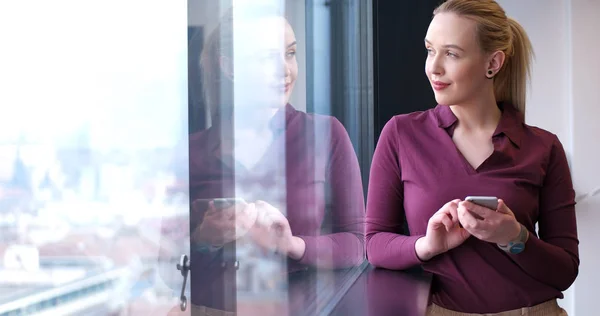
(519, 242)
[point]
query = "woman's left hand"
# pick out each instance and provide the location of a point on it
(272, 232)
(496, 226)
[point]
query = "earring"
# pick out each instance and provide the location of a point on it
(490, 74)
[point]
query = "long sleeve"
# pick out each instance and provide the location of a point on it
(386, 247)
(556, 249)
(344, 245)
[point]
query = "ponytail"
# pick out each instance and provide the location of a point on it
(510, 84)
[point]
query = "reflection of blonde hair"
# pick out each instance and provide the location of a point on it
(497, 32)
(218, 88)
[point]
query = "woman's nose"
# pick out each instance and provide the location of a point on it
(282, 68)
(435, 66)
(286, 70)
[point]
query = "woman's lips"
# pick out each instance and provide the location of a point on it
(438, 85)
(283, 87)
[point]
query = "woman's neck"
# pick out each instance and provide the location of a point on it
(257, 120)
(482, 114)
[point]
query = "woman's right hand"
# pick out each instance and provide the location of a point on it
(443, 232)
(221, 226)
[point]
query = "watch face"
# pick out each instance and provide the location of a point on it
(517, 248)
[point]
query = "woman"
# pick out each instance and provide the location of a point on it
(295, 175)
(475, 142)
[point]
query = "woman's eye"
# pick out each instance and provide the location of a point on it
(451, 54)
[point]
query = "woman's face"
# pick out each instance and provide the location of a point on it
(264, 63)
(455, 66)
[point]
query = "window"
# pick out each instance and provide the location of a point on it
(124, 121)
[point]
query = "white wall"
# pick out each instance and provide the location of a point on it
(564, 100)
(549, 97)
(586, 147)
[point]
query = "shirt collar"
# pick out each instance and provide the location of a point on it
(444, 116)
(281, 118)
(511, 121)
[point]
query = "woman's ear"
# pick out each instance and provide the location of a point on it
(226, 65)
(495, 62)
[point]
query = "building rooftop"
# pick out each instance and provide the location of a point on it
(53, 273)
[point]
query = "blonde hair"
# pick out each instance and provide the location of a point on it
(497, 32)
(217, 89)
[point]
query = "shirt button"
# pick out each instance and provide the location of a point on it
(236, 265)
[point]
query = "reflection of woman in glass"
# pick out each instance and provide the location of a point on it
(294, 176)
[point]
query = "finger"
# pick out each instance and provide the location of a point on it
(222, 225)
(447, 223)
(477, 210)
(453, 210)
(211, 206)
(435, 221)
(278, 217)
(278, 229)
(450, 209)
(282, 225)
(228, 213)
(249, 209)
(248, 216)
(458, 236)
(440, 219)
(452, 203)
(466, 218)
(268, 207)
(464, 233)
(502, 208)
(211, 213)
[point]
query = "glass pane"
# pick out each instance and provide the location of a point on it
(277, 194)
(92, 132)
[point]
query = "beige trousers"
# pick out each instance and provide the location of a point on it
(549, 308)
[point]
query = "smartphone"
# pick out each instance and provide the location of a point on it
(490, 202)
(223, 203)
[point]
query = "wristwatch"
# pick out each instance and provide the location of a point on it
(518, 245)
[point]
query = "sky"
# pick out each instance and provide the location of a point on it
(117, 68)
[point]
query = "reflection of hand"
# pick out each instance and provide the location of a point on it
(221, 226)
(272, 232)
(496, 226)
(443, 232)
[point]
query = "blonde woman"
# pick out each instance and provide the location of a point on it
(475, 142)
